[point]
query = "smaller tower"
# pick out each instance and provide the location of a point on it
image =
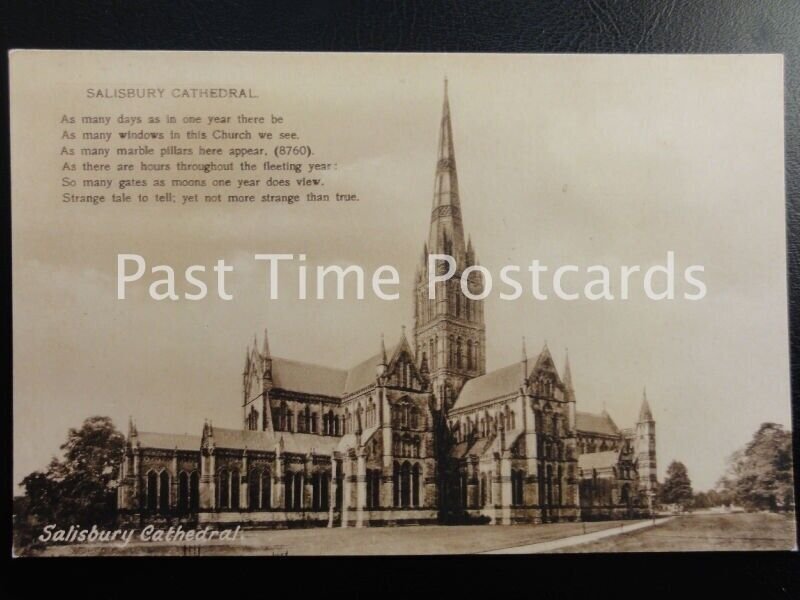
(523, 363)
(646, 446)
(569, 393)
(266, 385)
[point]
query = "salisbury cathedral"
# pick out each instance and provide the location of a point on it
(417, 433)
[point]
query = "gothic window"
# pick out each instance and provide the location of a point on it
(313, 422)
(415, 477)
(253, 489)
(397, 483)
(625, 496)
(234, 489)
(183, 492)
(298, 491)
(316, 489)
(288, 490)
(373, 488)
(405, 485)
(152, 490)
(477, 355)
(516, 487)
(194, 491)
(324, 490)
(483, 489)
(252, 419)
(336, 425)
(512, 420)
(339, 485)
(459, 355)
(470, 357)
(283, 417)
(224, 489)
(163, 491)
(452, 353)
(266, 489)
(290, 420)
(414, 418)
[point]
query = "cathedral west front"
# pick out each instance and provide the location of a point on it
(419, 432)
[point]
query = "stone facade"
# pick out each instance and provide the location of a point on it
(414, 434)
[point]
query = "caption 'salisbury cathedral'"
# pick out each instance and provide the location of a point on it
(417, 433)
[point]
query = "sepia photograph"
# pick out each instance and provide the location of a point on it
(313, 304)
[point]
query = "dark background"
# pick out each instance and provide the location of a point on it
(590, 26)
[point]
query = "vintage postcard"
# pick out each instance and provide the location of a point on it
(316, 304)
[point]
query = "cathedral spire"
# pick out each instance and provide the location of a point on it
(447, 232)
(645, 414)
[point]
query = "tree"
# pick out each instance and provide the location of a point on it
(677, 488)
(760, 474)
(80, 487)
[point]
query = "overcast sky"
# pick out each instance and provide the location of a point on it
(585, 160)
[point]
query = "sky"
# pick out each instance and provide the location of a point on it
(579, 159)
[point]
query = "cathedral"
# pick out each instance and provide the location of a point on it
(417, 433)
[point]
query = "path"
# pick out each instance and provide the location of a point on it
(578, 539)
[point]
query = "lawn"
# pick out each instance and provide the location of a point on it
(736, 531)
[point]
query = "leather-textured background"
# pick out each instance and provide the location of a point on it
(718, 26)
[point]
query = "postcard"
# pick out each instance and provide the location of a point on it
(356, 304)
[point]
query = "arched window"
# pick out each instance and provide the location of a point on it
(283, 417)
(397, 483)
(194, 491)
(324, 490)
(415, 481)
(625, 495)
(405, 486)
(288, 491)
(254, 489)
(483, 489)
(152, 491)
(298, 491)
(336, 426)
(470, 357)
(183, 492)
(316, 490)
(163, 491)
(289, 420)
(224, 489)
(234, 489)
(266, 489)
(511, 420)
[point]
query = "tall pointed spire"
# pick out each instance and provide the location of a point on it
(567, 372)
(645, 414)
(447, 232)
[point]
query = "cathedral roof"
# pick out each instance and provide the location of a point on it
(294, 443)
(364, 373)
(598, 460)
(495, 384)
(307, 378)
(169, 441)
(592, 423)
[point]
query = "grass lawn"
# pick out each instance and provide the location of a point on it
(738, 531)
(432, 539)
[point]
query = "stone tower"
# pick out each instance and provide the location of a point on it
(646, 446)
(449, 332)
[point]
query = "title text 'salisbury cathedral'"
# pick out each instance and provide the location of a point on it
(417, 433)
